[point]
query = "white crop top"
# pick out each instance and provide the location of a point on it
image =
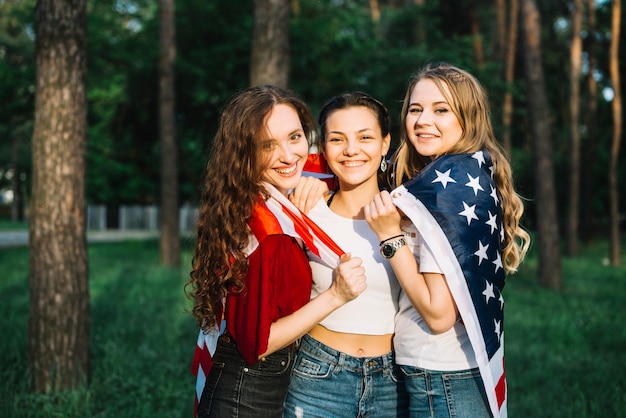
(373, 311)
(414, 344)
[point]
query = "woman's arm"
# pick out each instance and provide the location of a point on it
(349, 283)
(428, 292)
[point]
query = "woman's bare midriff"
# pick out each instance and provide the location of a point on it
(357, 345)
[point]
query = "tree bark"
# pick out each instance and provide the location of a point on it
(59, 321)
(509, 74)
(574, 114)
(269, 63)
(548, 232)
(375, 11)
(420, 33)
(501, 33)
(169, 217)
(479, 54)
(616, 107)
(587, 227)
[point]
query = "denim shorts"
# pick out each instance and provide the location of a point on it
(235, 389)
(445, 393)
(328, 383)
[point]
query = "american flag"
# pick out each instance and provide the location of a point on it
(455, 205)
(277, 215)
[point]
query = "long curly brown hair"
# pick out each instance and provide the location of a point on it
(468, 100)
(232, 186)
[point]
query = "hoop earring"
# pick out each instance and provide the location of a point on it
(383, 165)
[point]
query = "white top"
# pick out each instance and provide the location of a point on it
(373, 311)
(414, 344)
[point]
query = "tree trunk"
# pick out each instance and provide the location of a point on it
(500, 41)
(616, 106)
(59, 321)
(269, 63)
(587, 228)
(420, 33)
(548, 231)
(169, 222)
(375, 11)
(574, 114)
(479, 54)
(509, 74)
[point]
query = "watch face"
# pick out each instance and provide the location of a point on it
(388, 250)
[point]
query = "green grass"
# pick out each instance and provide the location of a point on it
(142, 338)
(564, 350)
(8, 225)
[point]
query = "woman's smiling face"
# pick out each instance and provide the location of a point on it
(285, 149)
(431, 125)
(354, 145)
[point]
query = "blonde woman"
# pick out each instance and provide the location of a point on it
(459, 236)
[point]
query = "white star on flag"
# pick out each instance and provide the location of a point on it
(497, 261)
(492, 221)
(474, 183)
(494, 194)
(469, 212)
(482, 252)
(478, 156)
(497, 324)
(444, 178)
(488, 292)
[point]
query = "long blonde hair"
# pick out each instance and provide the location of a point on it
(468, 101)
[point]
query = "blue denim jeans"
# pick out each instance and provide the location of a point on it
(235, 389)
(445, 394)
(328, 383)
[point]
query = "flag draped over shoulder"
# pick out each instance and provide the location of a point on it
(454, 204)
(276, 215)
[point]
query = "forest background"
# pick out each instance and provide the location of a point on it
(552, 70)
(335, 46)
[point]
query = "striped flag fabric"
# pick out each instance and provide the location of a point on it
(455, 205)
(277, 215)
(316, 166)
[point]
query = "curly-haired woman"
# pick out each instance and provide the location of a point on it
(246, 268)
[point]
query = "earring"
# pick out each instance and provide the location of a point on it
(383, 165)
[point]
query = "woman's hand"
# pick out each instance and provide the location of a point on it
(308, 192)
(349, 278)
(382, 216)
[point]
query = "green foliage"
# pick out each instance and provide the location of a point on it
(564, 350)
(17, 87)
(122, 151)
(335, 47)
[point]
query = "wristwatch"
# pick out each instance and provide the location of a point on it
(388, 249)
